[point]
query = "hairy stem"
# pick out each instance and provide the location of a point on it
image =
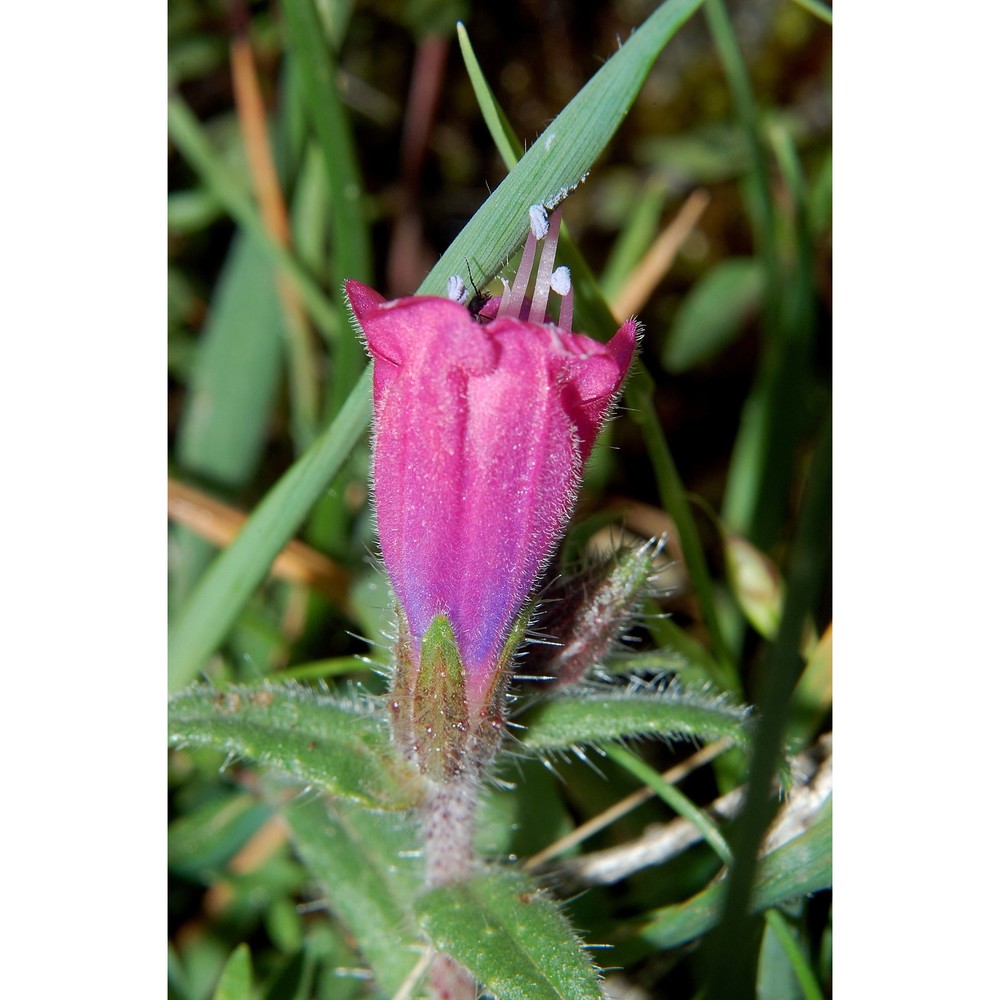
(449, 812)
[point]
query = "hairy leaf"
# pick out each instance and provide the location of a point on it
(597, 716)
(512, 937)
(370, 875)
(330, 743)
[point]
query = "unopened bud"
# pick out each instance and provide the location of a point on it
(588, 612)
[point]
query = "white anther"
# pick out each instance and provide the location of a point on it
(560, 282)
(456, 290)
(538, 219)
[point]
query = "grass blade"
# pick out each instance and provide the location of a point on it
(228, 583)
(560, 158)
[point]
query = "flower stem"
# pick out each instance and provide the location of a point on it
(447, 820)
(449, 812)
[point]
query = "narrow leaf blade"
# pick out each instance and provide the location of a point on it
(572, 720)
(565, 151)
(714, 312)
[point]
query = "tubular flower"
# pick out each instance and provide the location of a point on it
(484, 418)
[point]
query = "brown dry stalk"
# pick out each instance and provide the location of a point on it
(625, 805)
(252, 116)
(650, 271)
(219, 524)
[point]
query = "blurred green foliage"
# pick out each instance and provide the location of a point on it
(380, 168)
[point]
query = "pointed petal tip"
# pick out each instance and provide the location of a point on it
(622, 345)
(361, 298)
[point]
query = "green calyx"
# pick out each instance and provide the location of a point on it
(440, 709)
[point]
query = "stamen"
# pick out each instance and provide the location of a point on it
(541, 296)
(538, 220)
(456, 290)
(562, 285)
(560, 282)
(510, 304)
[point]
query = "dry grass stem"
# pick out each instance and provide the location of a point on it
(611, 815)
(650, 271)
(219, 524)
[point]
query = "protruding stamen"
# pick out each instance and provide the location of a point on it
(560, 282)
(513, 297)
(456, 290)
(562, 285)
(541, 296)
(538, 219)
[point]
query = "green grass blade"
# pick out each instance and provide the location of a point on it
(771, 425)
(780, 672)
(511, 937)
(639, 399)
(236, 372)
(317, 81)
(595, 717)
(674, 798)
(800, 967)
(641, 228)
(352, 252)
(714, 312)
(227, 185)
(501, 131)
(817, 8)
(802, 866)
(228, 583)
(560, 158)
(321, 741)
(368, 868)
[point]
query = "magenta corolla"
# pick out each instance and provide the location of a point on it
(483, 423)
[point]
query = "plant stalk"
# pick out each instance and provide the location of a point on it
(448, 817)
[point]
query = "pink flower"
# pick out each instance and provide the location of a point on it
(483, 423)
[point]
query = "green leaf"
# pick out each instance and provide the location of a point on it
(368, 867)
(512, 937)
(713, 313)
(236, 982)
(802, 866)
(335, 745)
(236, 372)
(561, 157)
(594, 717)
